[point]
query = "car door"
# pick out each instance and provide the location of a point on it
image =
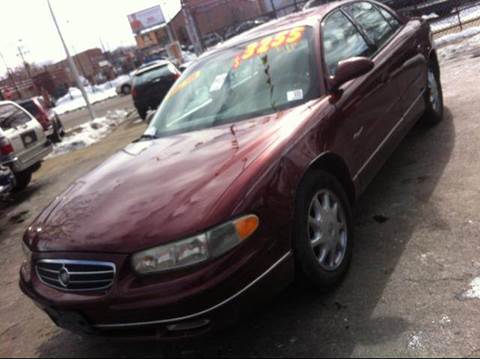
(408, 49)
(369, 106)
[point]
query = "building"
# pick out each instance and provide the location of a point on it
(218, 15)
(90, 64)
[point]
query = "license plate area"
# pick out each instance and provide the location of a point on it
(29, 138)
(71, 321)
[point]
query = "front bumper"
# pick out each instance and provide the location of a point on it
(196, 309)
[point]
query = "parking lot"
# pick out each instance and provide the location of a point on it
(409, 291)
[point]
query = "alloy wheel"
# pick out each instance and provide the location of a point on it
(327, 230)
(434, 92)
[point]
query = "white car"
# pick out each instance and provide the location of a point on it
(23, 143)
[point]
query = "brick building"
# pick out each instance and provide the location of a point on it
(218, 15)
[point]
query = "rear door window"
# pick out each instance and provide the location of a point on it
(11, 117)
(392, 20)
(375, 25)
(341, 41)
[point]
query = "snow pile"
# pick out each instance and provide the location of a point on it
(474, 291)
(89, 133)
(73, 100)
(454, 45)
(458, 36)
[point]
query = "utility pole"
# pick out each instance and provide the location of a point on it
(192, 28)
(72, 64)
(10, 75)
(22, 52)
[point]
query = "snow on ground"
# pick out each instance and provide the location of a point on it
(89, 133)
(73, 100)
(474, 291)
(454, 45)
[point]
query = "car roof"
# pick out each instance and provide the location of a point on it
(31, 99)
(2, 103)
(154, 65)
(307, 17)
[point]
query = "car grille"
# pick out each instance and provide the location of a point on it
(76, 276)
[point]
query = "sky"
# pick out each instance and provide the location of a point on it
(84, 23)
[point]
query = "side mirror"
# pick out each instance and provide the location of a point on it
(350, 69)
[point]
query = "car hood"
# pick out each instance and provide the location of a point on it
(155, 192)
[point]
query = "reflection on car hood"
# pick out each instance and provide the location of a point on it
(154, 192)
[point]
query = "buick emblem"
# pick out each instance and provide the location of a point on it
(64, 277)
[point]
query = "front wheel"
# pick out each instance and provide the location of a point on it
(433, 98)
(323, 231)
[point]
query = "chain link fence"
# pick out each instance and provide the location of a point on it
(446, 16)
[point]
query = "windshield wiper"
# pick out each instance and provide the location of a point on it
(146, 138)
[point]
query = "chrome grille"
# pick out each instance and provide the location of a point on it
(76, 276)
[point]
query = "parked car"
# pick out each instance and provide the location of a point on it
(244, 178)
(51, 123)
(125, 88)
(7, 181)
(245, 26)
(151, 84)
(23, 142)
(211, 39)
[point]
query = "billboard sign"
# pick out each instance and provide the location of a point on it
(146, 19)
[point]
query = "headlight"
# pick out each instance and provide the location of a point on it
(27, 262)
(197, 249)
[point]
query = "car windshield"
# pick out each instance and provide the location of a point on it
(153, 74)
(258, 78)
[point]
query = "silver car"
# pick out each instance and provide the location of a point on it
(23, 143)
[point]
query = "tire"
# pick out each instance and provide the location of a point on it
(58, 131)
(433, 98)
(22, 180)
(326, 273)
(126, 90)
(142, 114)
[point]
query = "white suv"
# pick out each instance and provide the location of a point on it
(23, 144)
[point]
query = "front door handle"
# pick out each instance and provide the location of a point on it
(357, 134)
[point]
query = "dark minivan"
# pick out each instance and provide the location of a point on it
(151, 84)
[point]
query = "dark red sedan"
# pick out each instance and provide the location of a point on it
(245, 176)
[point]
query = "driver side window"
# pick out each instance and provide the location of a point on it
(341, 41)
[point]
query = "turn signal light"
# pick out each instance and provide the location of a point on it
(246, 226)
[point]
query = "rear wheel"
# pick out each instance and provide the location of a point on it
(433, 98)
(22, 180)
(58, 130)
(142, 113)
(323, 231)
(126, 89)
